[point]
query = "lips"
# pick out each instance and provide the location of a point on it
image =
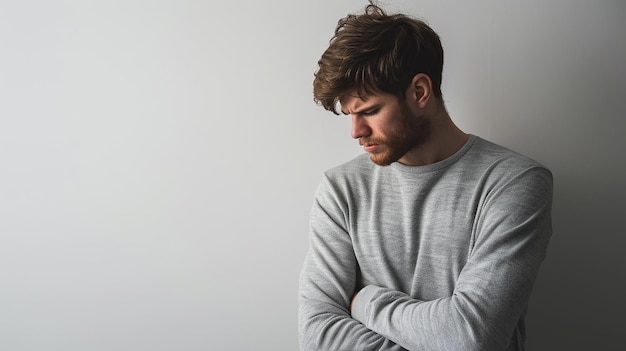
(370, 147)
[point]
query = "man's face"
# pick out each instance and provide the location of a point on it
(386, 128)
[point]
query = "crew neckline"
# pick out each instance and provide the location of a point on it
(439, 164)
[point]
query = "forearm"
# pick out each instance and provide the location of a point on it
(481, 314)
(443, 324)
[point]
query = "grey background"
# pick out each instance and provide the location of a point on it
(158, 161)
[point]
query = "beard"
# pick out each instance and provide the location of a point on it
(408, 133)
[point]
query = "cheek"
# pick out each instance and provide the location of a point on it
(399, 129)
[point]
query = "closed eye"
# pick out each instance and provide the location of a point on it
(370, 112)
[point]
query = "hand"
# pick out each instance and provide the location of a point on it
(352, 300)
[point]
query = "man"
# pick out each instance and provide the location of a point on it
(433, 238)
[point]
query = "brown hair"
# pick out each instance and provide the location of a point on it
(375, 52)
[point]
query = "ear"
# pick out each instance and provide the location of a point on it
(420, 90)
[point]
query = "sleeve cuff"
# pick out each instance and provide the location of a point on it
(361, 301)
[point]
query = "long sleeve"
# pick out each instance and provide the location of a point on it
(328, 281)
(510, 236)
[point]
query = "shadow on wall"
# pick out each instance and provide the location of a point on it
(560, 89)
(578, 300)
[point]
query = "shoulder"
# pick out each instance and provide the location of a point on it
(348, 180)
(502, 161)
(356, 167)
(504, 172)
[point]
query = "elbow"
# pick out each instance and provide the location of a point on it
(476, 332)
(474, 338)
(306, 341)
(313, 330)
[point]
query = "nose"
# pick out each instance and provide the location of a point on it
(359, 127)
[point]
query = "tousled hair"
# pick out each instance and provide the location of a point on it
(377, 53)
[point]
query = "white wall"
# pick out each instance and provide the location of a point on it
(158, 161)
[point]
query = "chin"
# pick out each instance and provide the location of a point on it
(382, 159)
(390, 155)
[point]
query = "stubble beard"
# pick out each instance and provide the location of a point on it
(408, 134)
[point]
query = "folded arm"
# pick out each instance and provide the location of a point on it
(511, 233)
(328, 282)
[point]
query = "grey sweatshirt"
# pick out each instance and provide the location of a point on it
(443, 256)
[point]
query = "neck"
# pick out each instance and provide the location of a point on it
(444, 140)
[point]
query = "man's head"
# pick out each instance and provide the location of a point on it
(377, 53)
